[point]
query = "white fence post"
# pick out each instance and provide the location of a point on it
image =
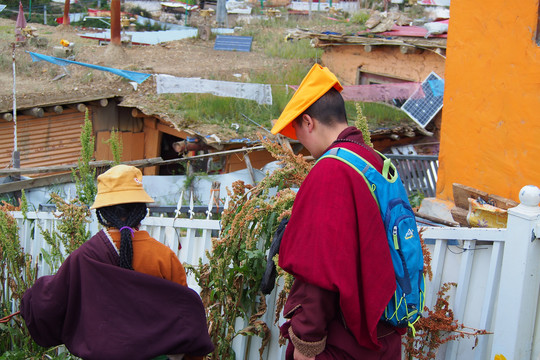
(520, 280)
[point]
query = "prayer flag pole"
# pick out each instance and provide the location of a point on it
(65, 21)
(16, 155)
(115, 22)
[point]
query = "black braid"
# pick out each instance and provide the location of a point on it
(121, 215)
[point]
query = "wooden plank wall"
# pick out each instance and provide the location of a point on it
(132, 146)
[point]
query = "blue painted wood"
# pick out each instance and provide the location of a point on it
(233, 43)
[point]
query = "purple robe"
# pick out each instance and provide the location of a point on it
(101, 311)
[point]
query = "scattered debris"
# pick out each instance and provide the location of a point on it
(436, 28)
(477, 208)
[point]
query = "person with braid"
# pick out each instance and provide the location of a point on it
(137, 250)
(122, 294)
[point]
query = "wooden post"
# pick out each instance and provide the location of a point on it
(152, 143)
(115, 22)
(66, 13)
(250, 168)
(520, 280)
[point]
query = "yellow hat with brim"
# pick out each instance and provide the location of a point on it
(121, 184)
(315, 84)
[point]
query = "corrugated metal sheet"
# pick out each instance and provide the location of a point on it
(50, 140)
(233, 43)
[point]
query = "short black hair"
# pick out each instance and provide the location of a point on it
(329, 109)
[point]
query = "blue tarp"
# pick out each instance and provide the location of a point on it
(131, 75)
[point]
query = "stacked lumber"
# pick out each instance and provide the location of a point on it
(462, 193)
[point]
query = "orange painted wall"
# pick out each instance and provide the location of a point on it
(345, 60)
(490, 135)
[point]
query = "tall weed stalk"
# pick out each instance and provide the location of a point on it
(116, 146)
(70, 231)
(84, 176)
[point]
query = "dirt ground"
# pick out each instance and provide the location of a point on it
(36, 82)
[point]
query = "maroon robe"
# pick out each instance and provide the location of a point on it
(336, 248)
(101, 311)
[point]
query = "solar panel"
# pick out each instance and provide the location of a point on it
(425, 102)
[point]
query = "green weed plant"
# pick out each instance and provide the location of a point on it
(18, 272)
(70, 232)
(84, 176)
(230, 281)
(116, 146)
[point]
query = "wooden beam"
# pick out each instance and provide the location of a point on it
(167, 129)
(34, 183)
(100, 102)
(80, 107)
(436, 219)
(409, 49)
(7, 116)
(136, 113)
(58, 109)
(62, 168)
(156, 161)
(36, 112)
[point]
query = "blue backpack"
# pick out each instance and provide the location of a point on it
(405, 307)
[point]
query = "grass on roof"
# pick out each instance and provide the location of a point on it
(269, 38)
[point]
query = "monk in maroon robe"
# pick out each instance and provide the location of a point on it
(334, 244)
(101, 311)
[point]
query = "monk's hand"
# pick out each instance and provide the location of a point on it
(298, 356)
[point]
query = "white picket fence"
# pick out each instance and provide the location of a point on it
(497, 272)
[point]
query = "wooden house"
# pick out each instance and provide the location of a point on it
(49, 135)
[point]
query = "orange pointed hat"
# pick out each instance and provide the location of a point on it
(315, 84)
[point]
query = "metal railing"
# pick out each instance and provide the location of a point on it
(418, 172)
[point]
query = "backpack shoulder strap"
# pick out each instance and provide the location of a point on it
(389, 171)
(356, 162)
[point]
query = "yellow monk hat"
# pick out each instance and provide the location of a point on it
(121, 184)
(315, 84)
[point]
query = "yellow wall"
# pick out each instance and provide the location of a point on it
(490, 136)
